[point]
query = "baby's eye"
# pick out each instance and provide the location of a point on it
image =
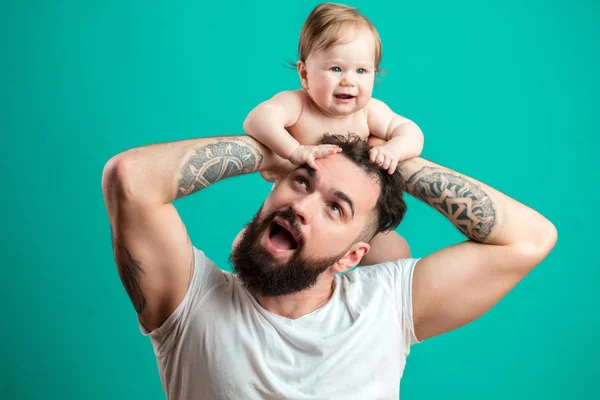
(336, 69)
(361, 71)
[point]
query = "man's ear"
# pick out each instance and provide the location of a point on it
(302, 73)
(352, 257)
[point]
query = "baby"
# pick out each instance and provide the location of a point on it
(339, 51)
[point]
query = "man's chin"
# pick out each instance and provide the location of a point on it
(267, 269)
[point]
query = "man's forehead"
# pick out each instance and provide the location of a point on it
(337, 172)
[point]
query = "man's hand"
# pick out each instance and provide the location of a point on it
(274, 168)
(385, 157)
(308, 154)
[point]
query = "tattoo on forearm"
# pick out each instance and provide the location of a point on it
(463, 202)
(215, 161)
(129, 270)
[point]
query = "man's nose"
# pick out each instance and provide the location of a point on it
(304, 208)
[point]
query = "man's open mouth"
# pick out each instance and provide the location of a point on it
(281, 237)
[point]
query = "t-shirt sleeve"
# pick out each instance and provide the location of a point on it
(397, 276)
(404, 279)
(205, 276)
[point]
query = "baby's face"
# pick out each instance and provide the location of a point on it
(340, 79)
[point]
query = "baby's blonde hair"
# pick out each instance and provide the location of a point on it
(326, 25)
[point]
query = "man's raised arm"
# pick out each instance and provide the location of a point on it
(507, 240)
(150, 243)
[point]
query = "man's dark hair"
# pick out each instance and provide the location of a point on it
(390, 207)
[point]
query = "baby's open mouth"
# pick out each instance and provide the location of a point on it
(344, 96)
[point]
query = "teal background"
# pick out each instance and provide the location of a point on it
(505, 91)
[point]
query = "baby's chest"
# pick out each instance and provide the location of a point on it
(310, 128)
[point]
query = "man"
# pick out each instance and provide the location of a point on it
(287, 325)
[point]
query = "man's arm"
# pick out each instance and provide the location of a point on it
(150, 242)
(507, 240)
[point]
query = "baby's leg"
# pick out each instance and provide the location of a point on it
(386, 246)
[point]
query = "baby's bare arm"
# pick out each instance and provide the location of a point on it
(402, 134)
(268, 121)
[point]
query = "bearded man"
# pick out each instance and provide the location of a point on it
(297, 320)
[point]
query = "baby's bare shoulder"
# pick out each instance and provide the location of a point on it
(293, 98)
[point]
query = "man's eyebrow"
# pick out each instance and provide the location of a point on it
(344, 197)
(311, 172)
(337, 193)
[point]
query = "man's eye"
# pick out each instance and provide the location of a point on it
(335, 208)
(336, 69)
(301, 181)
(361, 71)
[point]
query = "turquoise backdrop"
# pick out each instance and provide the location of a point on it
(507, 91)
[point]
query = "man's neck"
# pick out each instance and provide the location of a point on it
(296, 305)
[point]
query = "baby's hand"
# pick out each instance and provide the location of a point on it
(385, 157)
(308, 154)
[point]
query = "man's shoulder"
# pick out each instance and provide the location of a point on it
(387, 274)
(383, 268)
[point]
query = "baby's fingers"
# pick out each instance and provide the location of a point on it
(326, 150)
(373, 154)
(392, 168)
(310, 161)
(386, 163)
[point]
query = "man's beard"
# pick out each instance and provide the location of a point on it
(261, 274)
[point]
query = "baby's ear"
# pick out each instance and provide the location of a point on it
(302, 73)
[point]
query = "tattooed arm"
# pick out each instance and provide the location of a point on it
(151, 246)
(506, 240)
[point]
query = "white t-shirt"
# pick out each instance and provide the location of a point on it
(221, 344)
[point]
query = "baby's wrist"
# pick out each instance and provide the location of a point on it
(391, 147)
(290, 153)
(403, 152)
